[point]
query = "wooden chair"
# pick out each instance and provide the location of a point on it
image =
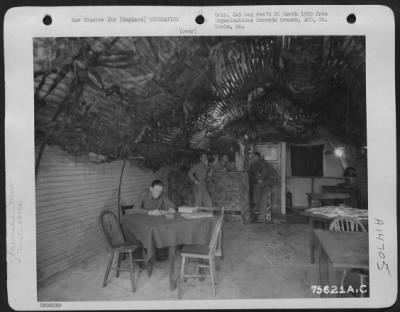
(221, 212)
(117, 244)
(142, 250)
(342, 224)
(202, 253)
(346, 225)
(125, 207)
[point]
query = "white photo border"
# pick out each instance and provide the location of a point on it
(23, 24)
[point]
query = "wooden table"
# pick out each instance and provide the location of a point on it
(320, 221)
(314, 221)
(157, 231)
(353, 191)
(326, 197)
(338, 251)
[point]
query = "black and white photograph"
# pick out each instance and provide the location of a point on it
(202, 167)
(130, 126)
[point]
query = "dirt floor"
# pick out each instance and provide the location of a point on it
(261, 261)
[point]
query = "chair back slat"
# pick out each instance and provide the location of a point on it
(347, 225)
(219, 244)
(111, 229)
(215, 238)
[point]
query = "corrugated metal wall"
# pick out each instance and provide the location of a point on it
(70, 195)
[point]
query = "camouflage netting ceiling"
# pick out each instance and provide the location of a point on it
(109, 95)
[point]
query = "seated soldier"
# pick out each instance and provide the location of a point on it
(153, 201)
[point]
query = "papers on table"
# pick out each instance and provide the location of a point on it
(189, 212)
(158, 212)
(334, 211)
(196, 215)
(188, 209)
(170, 216)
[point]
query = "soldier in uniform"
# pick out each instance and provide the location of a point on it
(261, 177)
(198, 174)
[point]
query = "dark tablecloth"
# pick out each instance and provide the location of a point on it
(157, 231)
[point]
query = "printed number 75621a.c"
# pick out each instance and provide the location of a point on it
(333, 289)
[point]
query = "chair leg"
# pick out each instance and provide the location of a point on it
(120, 256)
(183, 267)
(212, 272)
(341, 286)
(181, 277)
(221, 244)
(218, 263)
(144, 254)
(343, 277)
(131, 267)
(110, 260)
(149, 266)
(200, 270)
(362, 282)
(179, 288)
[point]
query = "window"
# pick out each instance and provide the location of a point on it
(307, 160)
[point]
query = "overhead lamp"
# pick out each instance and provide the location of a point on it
(339, 152)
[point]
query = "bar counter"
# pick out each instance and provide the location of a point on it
(230, 189)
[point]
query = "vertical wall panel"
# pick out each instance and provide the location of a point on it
(283, 177)
(354, 157)
(70, 195)
(361, 181)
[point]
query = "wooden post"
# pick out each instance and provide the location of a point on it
(119, 190)
(312, 184)
(246, 156)
(283, 178)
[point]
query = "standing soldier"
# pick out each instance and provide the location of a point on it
(261, 178)
(198, 174)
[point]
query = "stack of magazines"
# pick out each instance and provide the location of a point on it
(196, 215)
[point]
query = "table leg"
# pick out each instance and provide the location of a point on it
(222, 243)
(171, 259)
(327, 276)
(312, 241)
(325, 224)
(149, 266)
(323, 269)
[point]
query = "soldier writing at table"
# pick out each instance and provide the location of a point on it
(153, 200)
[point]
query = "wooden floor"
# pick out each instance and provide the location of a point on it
(261, 261)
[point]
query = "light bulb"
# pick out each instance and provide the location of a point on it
(339, 152)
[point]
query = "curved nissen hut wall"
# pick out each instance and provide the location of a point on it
(70, 195)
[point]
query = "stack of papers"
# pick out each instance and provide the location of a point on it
(196, 215)
(187, 209)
